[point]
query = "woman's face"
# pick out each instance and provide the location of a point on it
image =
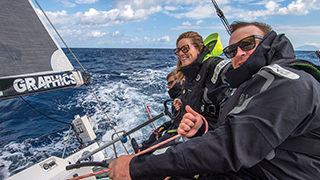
(190, 56)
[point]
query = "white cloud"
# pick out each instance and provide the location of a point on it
(191, 14)
(187, 23)
(191, 2)
(136, 39)
(115, 33)
(199, 22)
(137, 4)
(272, 6)
(164, 39)
(298, 7)
(298, 34)
(97, 33)
(171, 8)
(95, 18)
(67, 3)
(195, 12)
(86, 1)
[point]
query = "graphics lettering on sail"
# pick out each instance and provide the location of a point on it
(31, 60)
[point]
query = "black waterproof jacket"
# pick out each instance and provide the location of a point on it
(274, 102)
(204, 89)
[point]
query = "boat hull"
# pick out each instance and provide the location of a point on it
(54, 168)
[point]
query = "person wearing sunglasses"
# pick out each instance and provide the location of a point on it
(161, 133)
(201, 74)
(246, 46)
(189, 47)
(268, 129)
(203, 94)
(171, 81)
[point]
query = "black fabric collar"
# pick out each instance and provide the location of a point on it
(175, 91)
(191, 71)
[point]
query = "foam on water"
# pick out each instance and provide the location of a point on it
(122, 79)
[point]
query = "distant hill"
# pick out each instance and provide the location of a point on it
(307, 48)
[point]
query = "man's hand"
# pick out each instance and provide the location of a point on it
(190, 123)
(119, 169)
(177, 103)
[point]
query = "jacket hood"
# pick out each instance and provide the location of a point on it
(272, 48)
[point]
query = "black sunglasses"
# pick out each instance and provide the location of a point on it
(246, 44)
(170, 82)
(185, 48)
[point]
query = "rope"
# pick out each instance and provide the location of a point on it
(69, 124)
(60, 36)
(107, 117)
(43, 113)
(82, 69)
(65, 146)
(222, 17)
(80, 66)
(149, 114)
(142, 152)
(89, 175)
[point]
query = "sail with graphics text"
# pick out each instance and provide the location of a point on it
(31, 60)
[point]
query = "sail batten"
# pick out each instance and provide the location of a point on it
(29, 54)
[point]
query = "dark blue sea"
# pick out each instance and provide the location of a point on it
(123, 80)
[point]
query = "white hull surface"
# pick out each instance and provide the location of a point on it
(54, 168)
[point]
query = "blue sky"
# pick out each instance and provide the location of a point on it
(158, 23)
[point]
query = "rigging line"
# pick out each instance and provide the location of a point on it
(222, 17)
(65, 146)
(59, 35)
(107, 116)
(69, 124)
(149, 114)
(75, 59)
(144, 151)
(45, 135)
(43, 113)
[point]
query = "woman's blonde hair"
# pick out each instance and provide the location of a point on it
(196, 39)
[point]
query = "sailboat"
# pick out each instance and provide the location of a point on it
(33, 62)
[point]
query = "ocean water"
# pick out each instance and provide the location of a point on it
(123, 80)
